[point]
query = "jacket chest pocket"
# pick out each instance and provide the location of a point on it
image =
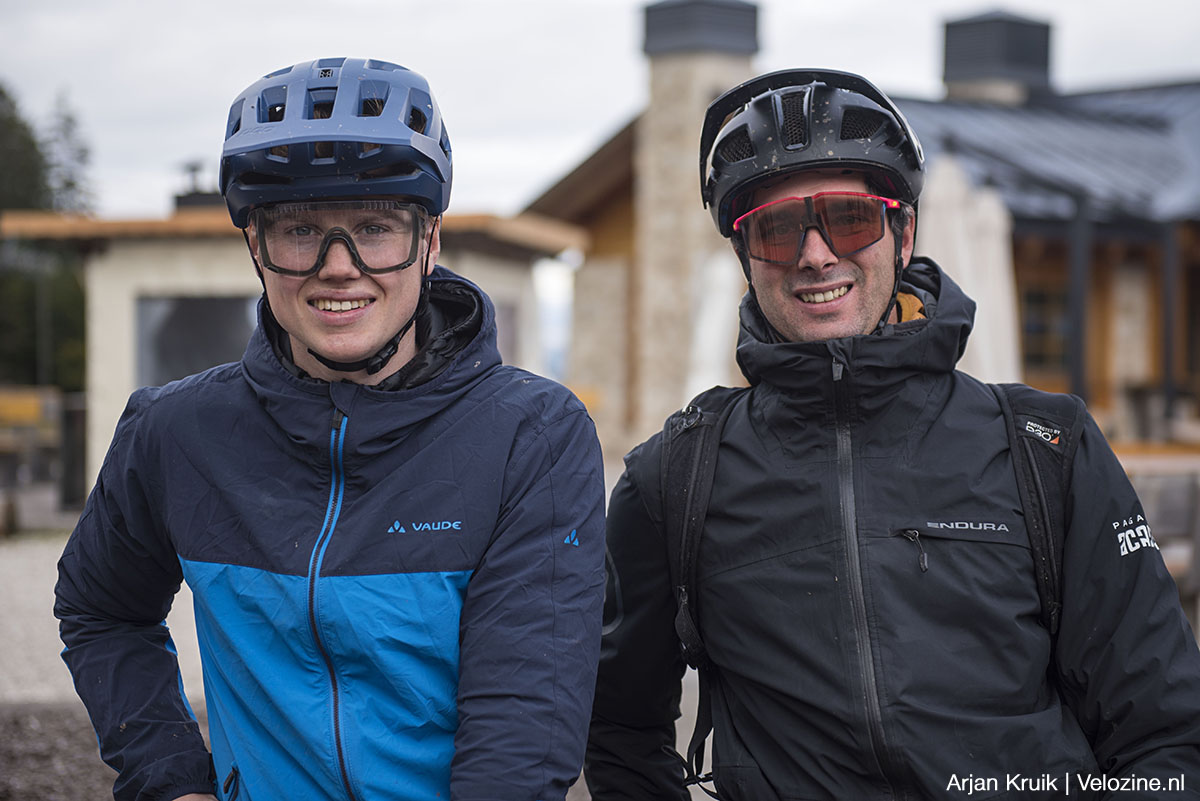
(964, 563)
(959, 621)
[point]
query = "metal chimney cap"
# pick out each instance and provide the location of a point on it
(689, 26)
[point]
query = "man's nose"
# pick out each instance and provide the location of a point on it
(815, 252)
(339, 261)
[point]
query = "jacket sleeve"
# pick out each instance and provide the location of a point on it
(639, 684)
(116, 579)
(1128, 662)
(530, 631)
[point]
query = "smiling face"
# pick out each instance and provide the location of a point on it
(822, 296)
(341, 312)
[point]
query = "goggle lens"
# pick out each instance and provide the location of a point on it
(847, 221)
(382, 235)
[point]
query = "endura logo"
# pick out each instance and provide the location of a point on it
(963, 524)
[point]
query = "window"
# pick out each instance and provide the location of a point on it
(1044, 327)
(178, 336)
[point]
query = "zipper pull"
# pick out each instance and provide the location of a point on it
(837, 370)
(232, 780)
(912, 535)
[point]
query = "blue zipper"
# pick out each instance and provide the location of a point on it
(337, 487)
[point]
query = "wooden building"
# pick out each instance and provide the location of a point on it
(1101, 189)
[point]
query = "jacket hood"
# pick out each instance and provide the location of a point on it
(458, 347)
(931, 345)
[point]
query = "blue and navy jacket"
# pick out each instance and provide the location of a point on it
(397, 592)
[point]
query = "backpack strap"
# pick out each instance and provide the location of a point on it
(690, 441)
(1043, 434)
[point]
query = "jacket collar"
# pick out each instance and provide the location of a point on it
(458, 338)
(878, 363)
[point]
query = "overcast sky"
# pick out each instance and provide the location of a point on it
(528, 87)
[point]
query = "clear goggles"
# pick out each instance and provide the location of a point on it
(847, 221)
(382, 235)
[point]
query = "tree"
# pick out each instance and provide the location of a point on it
(67, 157)
(42, 318)
(23, 181)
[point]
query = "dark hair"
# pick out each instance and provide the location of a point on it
(898, 218)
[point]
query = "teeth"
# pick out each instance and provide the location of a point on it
(824, 297)
(325, 304)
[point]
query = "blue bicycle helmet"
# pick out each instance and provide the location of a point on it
(335, 128)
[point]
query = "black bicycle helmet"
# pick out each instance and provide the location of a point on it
(803, 119)
(335, 128)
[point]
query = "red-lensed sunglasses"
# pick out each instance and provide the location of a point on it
(847, 221)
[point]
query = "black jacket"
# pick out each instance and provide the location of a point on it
(842, 669)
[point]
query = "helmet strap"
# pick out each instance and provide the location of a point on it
(377, 361)
(883, 321)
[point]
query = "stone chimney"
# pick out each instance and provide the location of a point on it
(697, 50)
(997, 58)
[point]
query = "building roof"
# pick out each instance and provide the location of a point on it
(577, 195)
(528, 236)
(1135, 153)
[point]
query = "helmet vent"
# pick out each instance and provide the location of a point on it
(272, 103)
(371, 107)
(416, 120)
(235, 117)
(736, 146)
(795, 130)
(860, 123)
(389, 171)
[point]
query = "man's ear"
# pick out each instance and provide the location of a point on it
(435, 245)
(251, 237)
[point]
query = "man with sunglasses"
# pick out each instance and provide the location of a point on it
(394, 541)
(862, 599)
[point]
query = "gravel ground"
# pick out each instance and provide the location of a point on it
(48, 753)
(47, 746)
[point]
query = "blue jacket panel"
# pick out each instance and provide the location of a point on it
(397, 591)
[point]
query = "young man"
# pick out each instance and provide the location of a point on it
(865, 589)
(393, 540)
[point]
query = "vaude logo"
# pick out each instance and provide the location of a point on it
(961, 524)
(437, 525)
(1043, 432)
(428, 525)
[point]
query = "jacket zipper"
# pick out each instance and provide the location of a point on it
(858, 602)
(337, 438)
(914, 536)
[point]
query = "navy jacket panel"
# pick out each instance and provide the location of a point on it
(397, 592)
(866, 593)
